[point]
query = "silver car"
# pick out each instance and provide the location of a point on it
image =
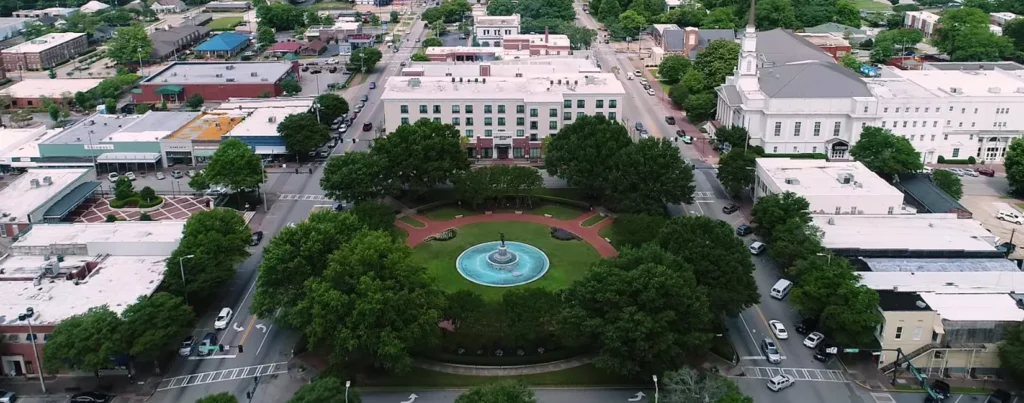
(185, 349)
(771, 351)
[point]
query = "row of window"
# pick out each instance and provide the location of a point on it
(836, 154)
(534, 112)
(24, 338)
(817, 129)
(999, 111)
(552, 125)
(517, 152)
(913, 123)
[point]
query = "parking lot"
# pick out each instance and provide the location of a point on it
(985, 197)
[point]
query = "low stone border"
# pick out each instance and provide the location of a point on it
(141, 210)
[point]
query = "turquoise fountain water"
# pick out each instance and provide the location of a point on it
(502, 264)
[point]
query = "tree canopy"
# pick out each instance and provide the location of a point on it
(326, 389)
(773, 211)
(736, 170)
(236, 166)
(635, 230)
(154, 323)
(85, 342)
(302, 133)
(501, 7)
(583, 153)
(964, 35)
(499, 392)
(688, 385)
(891, 42)
(364, 59)
(673, 68)
(1011, 352)
(496, 184)
(885, 153)
(422, 155)
(129, 45)
(355, 177)
(650, 175)
(1014, 164)
(948, 182)
(218, 240)
(332, 106)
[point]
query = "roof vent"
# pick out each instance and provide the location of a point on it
(264, 79)
(271, 119)
(453, 79)
(845, 178)
(219, 75)
(230, 80)
(460, 79)
(34, 183)
(230, 67)
(253, 74)
(994, 90)
(476, 79)
(1020, 90)
(921, 304)
(47, 180)
(831, 221)
(792, 181)
(956, 90)
(484, 80)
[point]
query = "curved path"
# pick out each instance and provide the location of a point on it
(589, 234)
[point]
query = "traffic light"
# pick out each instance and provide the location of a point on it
(240, 349)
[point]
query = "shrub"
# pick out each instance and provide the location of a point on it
(562, 234)
(148, 194)
(957, 162)
(145, 217)
(971, 160)
(445, 235)
(111, 218)
(942, 160)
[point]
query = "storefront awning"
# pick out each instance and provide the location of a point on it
(270, 150)
(128, 158)
(169, 90)
(75, 197)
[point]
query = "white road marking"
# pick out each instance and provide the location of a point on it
(800, 374)
(302, 197)
(211, 357)
(222, 375)
(883, 398)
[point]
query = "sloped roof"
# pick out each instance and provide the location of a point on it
(793, 67)
(316, 44)
(285, 47)
(925, 194)
(831, 27)
(165, 40)
(92, 6)
(176, 3)
(224, 42)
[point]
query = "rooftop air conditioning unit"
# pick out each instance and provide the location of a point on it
(230, 80)
(792, 181)
(956, 90)
(831, 221)
(34, 183)
(218, 75)
(47, 180)
(994, 90)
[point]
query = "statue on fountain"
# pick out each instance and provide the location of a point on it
(502, 258)
(502, 235)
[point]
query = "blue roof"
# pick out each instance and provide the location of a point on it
(226, 41)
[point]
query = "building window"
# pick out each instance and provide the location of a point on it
(778, 129)
(916, 110)
(455, 109)
(950, 108)
(956, 153)
(835, 130)
(579, 115)
(885, 110)
(436, 120)
(553, 125)
(935, 123)
(917, 333)
(501, 121)
(775, 150)
(975, 112)
(553, 113)
(534, 152)
(488, 133)
(533, 125)
(455, 121)
(581, 103)
(534, 137)
(469, 121)
(469, 133)
(567, 104)
(599, 103)
(612, 103)
(897, 110)
(883, 123)
(517, 152)
(488, 121)
(469, 108)
(915, 123)
(533, 112)
(501, 108)
(520, 133)
(520, 109)
(404, 109)
(963, 111)
(899, 333)
(933, 137)
(817, 129)
(891, 209)
(566, 115)
(423, 109)
(796, 129)
(488, 109)
(405, 121)
(926, 110)
(437, 108)
(611, 116)
(945, 137)
(520, 121)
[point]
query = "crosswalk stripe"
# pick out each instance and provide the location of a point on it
(222, 375)
(803, 374)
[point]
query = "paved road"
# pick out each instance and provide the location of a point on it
(595, 395)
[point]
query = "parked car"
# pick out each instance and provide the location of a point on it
(986, 172)
(813, 340)
(757, 247)
(343, 128)
(91, 397)
(999, 396)
(223, 318)
(778, 329)
(160, 176)
(730, 208)
(336, 125)
(825, 352)
(637, 73)
(373, 85)
(639, 126)
(305, 69)
(780, 382)
(190, 173)
(323, 153)
(256, 238)
(7, 397)
(941, 389)
(650, 91)
(402, 63)
(185, 349)
(744, 230)
(205, 347)
(333, 69)
(771, 351)
(130, 176)
(176, 174)
(113, 176)
(670, 120)
(968, 172)
(686, 139)
(332, 61)
(365, 97)
(807, 325)
(367, 126)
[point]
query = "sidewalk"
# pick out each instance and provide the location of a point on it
(60, 388)
(513, 370)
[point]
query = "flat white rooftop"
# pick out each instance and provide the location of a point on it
(531, 89)
(820, 177)
(906, 231)
(117, 282)
(976, 83)
(264, 121)
(27, 150)
(945, 282)
(975, 307)
(541, 67)
(20, 198)
(898, 88)
(126, 232)
(226, 73)
(250, 104)
(152, 126)
(539, 39)
(49, 88)
(42, 43)
(497, 20)
(13, 139)
(93, 129)
(444, 50)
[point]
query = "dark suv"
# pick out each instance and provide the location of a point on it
(670, 120)
(730, 208)
(744, 230)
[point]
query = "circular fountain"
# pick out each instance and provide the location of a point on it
(502, 264)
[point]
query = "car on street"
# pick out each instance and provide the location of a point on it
(806, 325)
(223, 318)
(639, 126)
(997, 396)
(343, 128)
(968, 172)
(986, 172)
(778, 329)
(256, 238)
(316, 71)
(7, 397)
(757, 247)
(686, 139)
(367, 126)
(336, 125)
(130, 176)
(365, 97)
(185, 349)
(650, 91)
(670, 120)
(332, 61)
(324, 153)
(637, 73)
(209, 341)
(160, 176)
(190, 173)
(90, 397)
(730, 208)
(402, 64)
(771, 351)
(941, 389)
(780, 382)
(373, 85)
(956, 171)
(825, 352)
(113, 176)
(176, 174)
(813, 340)
(305, 69)
(333, 69)
(744, 230)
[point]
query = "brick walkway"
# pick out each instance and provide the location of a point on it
(589, 234)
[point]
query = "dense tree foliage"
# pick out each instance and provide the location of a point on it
(497, 184)
(85, 342)
(583, 153)
(964, 35)
(332, 106)
(885, 153)
(302, 133)
(500, 392)
(773, 211)
(363, 59)
(223, 397)
(793, 240)
(326, 390)
(948, 182)
(1014, 164)
(155, 323)
(1011, 352)
(673, 68)
(218, 240)
(422, 155)
(688, 385)
(894, 42)
(736, 170)
(236, 166)
(651, 174)
(635, 230)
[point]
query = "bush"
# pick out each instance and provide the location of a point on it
(574, 203)
(135, 202)
(145, 217)
(111, 218)
(971, 160)
(957, 162)
(942, 160)
(510, 357)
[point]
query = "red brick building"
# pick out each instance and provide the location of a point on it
(44, 52)
(831, 44)
(215, 81)
(537, 45)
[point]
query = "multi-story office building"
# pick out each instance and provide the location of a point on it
(491, 30)
(44, 52)
(504, 110)
(794, 98)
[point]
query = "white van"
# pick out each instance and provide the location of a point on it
(781, 289)
(1010, 216)
(756, 248)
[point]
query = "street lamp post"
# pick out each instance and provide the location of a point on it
(655, 377)
(27, 317)
(829, 256)
(347, 384)
(141, 69)
(181, 266)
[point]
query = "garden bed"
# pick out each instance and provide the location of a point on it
(224, 23)
(585, 375)
(412, 221)
(557, 211)
(592, 221)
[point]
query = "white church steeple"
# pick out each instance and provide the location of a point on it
(747, 66)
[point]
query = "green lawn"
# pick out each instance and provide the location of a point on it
(331, 5)
(609, 233)
(871, 5)
(569, 259)
(224, 23)
(662, 84)
(586, 375)
(592, 221)
(557, 211)
(412, 221)
(448, 213)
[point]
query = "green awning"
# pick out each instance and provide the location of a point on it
(291, 57)
(169, 90)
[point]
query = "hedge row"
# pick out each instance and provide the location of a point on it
(968, 161)
(510, 358)
(135, 202)
(799, 156)
(575, 203)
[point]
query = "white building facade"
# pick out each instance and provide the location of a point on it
(491, 30)
(845, 187)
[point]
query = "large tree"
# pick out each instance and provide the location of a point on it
(297, 255)
(643, 311)
(356, 177)
(631, 23)
(583, 153)
(820, 278)
(774, 210)
(892, 42)
(1014, 30)
(734, 136)
(794, 240)
(364, 59)
(636, 229)
(852, 317)
(736, 170)
(673, 68)
(773, 14)
(1011, 352)
(499, 392)
(236, 166)
(948, 182)
(1014, 164)
(700, 107)
(717, 61)
(885, 153)
(154, 323)
(326, 389)
(302, 133)
(501, 7)
(530, 314)
(538, 9)
(280, 16)
(332, 106)
(422, 155)
(265, 36)
(216, 240)
(719, 259)
(651, 174)
(85, 342)
(687, 385)
(964, 35)
(372, 306)
(129, 45)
